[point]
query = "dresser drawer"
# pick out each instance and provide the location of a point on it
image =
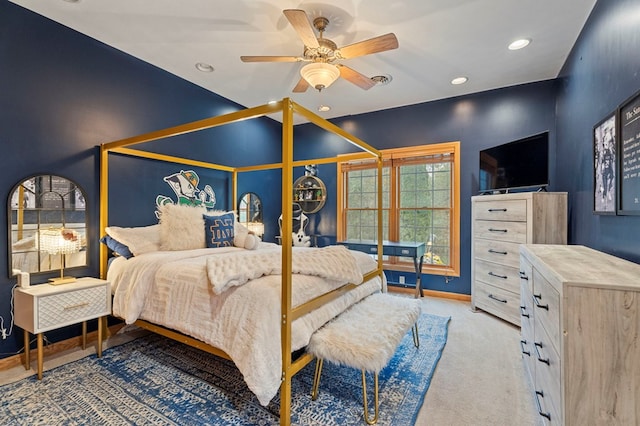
(515, 232)
(547, 373)
(526, 333)
(60, 309)
(526, 277)
(498, 252)
(505, 304)
(505, 277)
(503, 210)
(547, 308)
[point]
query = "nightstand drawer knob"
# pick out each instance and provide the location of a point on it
(79, 305)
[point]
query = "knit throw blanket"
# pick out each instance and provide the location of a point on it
(234, 269)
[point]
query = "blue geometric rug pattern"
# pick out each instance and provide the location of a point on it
(156, 381)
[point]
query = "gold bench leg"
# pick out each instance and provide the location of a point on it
(416, 338)
(316, 379)
(375, 398)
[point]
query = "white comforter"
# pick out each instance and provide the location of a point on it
(174, 289)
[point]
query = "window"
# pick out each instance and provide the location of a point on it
(421, 202)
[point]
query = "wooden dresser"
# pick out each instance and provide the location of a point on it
(581, 334)
(500, 223)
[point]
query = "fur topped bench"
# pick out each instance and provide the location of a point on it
(365, 337)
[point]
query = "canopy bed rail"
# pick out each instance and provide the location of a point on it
(287, 313)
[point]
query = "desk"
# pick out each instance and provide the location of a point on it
(390, 248)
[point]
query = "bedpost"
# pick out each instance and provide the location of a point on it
(104, 207)
(380, 234)
(287, 213)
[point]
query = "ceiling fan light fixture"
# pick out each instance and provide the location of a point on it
(320, 75)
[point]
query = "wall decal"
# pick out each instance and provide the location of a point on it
(185, 186)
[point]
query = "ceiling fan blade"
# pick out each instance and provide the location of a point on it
(356, 78)
(302, 86)
(270, 58)
(300, 22)
(372, 45)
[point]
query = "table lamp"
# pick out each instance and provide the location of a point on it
(256, 227)
(60, 241)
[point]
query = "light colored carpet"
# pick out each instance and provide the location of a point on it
(479, 380)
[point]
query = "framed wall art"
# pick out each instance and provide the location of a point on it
(629, 161)
(604, 165)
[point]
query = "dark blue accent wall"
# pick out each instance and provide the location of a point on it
(62, 94)
(478, 121)
(602, 71)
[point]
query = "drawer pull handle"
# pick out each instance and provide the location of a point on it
(537, 345)
(524, 276)
(523, 310)
(491, 296)
(504, 277)
(522, 343)
(543, 414)
(497, 252)
(536, 300)
(497, 210)
(497, 230)
(79, 305)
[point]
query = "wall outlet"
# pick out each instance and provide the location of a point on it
(401, 279)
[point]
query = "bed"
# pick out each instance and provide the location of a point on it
(226, 315)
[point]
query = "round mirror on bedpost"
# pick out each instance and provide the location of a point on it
(250, 213)
(41, 206)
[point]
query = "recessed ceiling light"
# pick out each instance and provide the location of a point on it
(324, 108)
(204, 67)
(459, 80)
(272, 102)
(519, 44)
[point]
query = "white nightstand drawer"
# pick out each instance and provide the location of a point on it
(58, 310)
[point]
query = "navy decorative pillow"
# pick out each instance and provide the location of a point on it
(116, 246)
(218, 230)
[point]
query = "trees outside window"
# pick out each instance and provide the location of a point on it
(420, 203)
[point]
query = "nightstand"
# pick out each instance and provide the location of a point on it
(45, 307)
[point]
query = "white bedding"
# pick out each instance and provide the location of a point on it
(173, 289)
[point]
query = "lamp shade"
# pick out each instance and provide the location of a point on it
(59, 241)
(320, 75)
(256, 227)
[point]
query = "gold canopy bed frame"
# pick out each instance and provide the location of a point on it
(288, 314)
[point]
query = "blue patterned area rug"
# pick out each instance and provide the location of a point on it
(156, 381)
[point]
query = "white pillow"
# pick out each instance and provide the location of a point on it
(181, 227)
(142, 239)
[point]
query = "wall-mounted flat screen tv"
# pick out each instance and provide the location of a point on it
(517, 165)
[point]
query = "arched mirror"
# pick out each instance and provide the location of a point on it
(250, 213)
(47, 225)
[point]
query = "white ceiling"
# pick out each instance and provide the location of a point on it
(438, 40)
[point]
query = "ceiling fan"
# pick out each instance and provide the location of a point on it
(323, 54)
